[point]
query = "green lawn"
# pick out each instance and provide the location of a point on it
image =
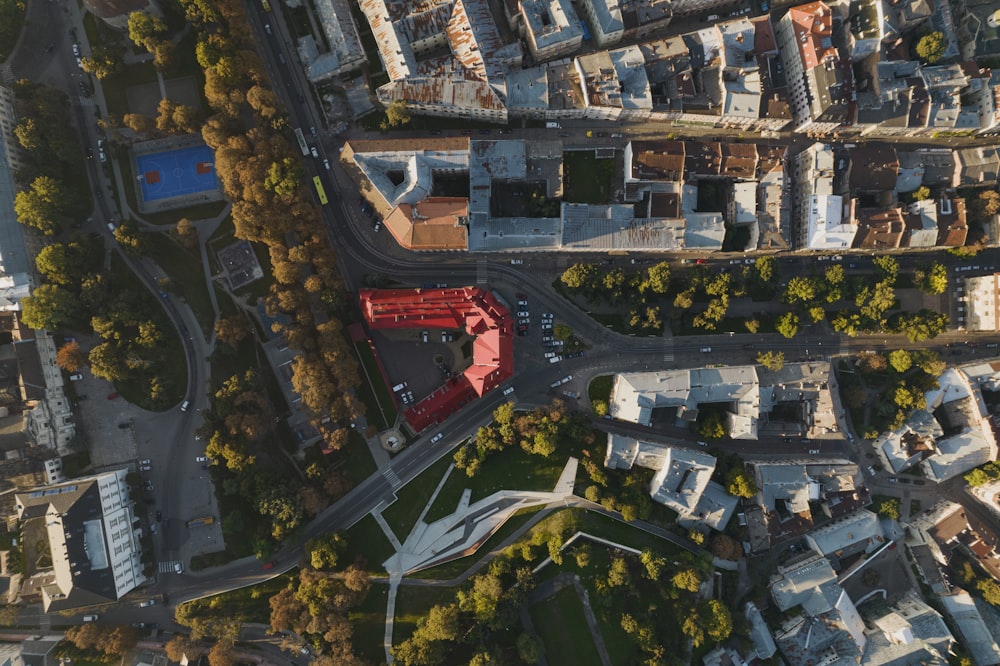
(173, 368)
(114, 86)
(587, 179)
(355, 458)
(367, 541)
(560, 622)
(368, 621)
(511, 469)
(410, 500)
(600, 388)
(412, 605)
(379, 406)
(203, 211)
(11, 21)
(187, 278)
(248, 604)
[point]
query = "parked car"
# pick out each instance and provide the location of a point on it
(201, 459)
(145, 468)
(147, 603)
(145, 461)
(523, 313)
(437, 438)
(516, 262)
(75, 377)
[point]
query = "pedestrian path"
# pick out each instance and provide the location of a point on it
(168, 566)
(481, 271)
(391, 477)
(668, 350)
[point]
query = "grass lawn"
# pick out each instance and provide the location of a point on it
(588, 180)
(562, 626)
(616, 322)
(187, 278)
(173, 368)
(511, 469)
(11, 21)
(248, 604)
(201, 211)
(114, 86)
(367, 541)
(379, 406)
(412, 605)
(410, 500)
(368, 621)
(355, 458)
(600, 388)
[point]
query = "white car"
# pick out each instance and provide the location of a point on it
(76, 50)
(201, 459)
(555, 359)
(706, 350)
(548, 338)
(516, 262)
(814, 452)
(550, 354)
(522, 304)
(145, 461)
(523, 314)
(312, 149)
(566, 380)
(326, 164)
(147, 603)
(437, 438)
(178, 569)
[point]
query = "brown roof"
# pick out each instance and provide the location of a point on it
(879, 228)
(702, 159)
(763, 35)
(952, 227)
(658, 160)
(663, 204)
(873, 168)
(739, 160)
(436, 223)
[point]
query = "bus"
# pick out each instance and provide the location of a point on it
(320, 192)
(303, 146)
(266, 5)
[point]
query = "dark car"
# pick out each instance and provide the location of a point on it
(919, 482)
(522, 333)
(124, 426)
(435, 132)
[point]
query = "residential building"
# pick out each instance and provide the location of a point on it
(551, 28)
(682, 480)
(820, 85)
(340, 51)
(907, 631)
(760, 634)
(40, 651)
(92, 536)
(977, 638)
(819, 213)
(614, 83)
(954, 406)
(612, 21)
(829, 628)
(982, 302)
(977, 167)
(843, 538)
(794, 496)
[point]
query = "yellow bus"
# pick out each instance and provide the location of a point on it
(320, 192)
(266, 5)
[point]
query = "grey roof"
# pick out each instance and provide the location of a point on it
(976, 636)
(805, 582)
(859, 530)
(910, 632)
(13, 252)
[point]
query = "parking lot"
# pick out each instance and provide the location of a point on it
(416, 368)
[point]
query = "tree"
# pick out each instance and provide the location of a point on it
(740, 484)
(800, 289)
(711, 426)
(921, 193)
(70, 357)
(933, 280)
(42, 206)
(50, 307)
(931, 47)
(765, 268)
(562, 332)
(326, 551)
(887, 507)
(687, 579)
(772, 360)
(187, 233)
(726, 548)
(657, 279)
(618, 575)
(284, 178)
(232, 330)
(221, 654)
(145, 30)
(127, 235)
(141, 124)
(788, 324)
(397, 114)
(107, 362)
(102, 63)
(64, 263)
(900, 360)
(716, 619)
(654, 564)
(529, 648)
(180, 646)
(441, 623)
(579, 276)
(696, 537)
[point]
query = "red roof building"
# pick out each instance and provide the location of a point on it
(472, 309)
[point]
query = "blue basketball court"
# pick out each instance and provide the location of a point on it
(176, 173)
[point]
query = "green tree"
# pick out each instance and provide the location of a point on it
(529, 648)
(130, 238)
(800, 289)
(107, 362)
(887, 507)
(42, 206)
(618, 575)
(145, 30)
(711, 426)
(788, 324)
(931, 47)
(657, 279)
(687, 579)
(740, 484)
(397, 114)
(765, 268)
(752, 325)
(326, 551)
(834, 275)
(772, 360)
(64, 263)
(696, 537)
(562, 332)
(932, 281)
(716, 619)
(921, 193)
(50, 307)
(900, 360)
(888, 266)
(579, 276)
(653, 563)
(284, 178)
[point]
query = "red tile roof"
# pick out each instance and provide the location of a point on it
(469, 308)
(813, 24)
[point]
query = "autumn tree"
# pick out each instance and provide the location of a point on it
(232, 330)
(687, 579)
(932, 280)
(921, 193)
(70, 357)
(133, 241)
(740, 484)
(579, 276)
(900, 360)
(141, 124)
(788, 325)
(49, 307)
(397, 114)
(726, 548)
(145, 30)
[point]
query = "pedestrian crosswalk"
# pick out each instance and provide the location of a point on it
(168, 566)
(481, 268)
(391, 477)
(668, 350)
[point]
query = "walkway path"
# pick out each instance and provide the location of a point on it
(554, 585)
